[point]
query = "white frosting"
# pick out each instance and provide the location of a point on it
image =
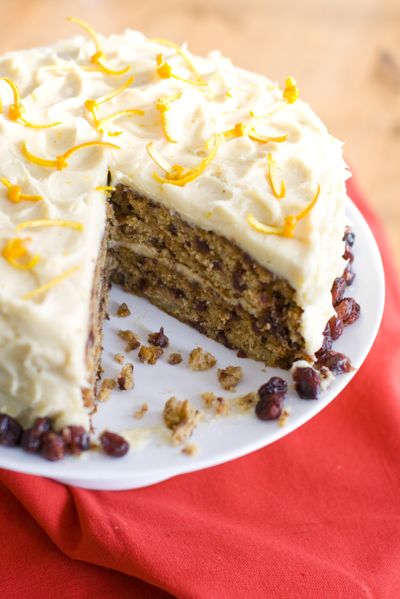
(42, 340)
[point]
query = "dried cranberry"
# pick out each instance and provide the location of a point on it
(335, 327)
(349, 237)
(349, 275)
(273, 386)
(76, 439)
(308, 385)
(326, 337)
(10, 431)
(158, 339)
(348, 254)
(271, 394)
(114, 445)
(348, 310)
(31, 439)
(336, 362)
(53, 446)
(338, 289)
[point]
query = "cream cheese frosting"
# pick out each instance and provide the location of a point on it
(43, 336)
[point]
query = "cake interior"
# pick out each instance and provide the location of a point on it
(202, 279)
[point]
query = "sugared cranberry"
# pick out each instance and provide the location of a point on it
(338, 289)
(348, 310)
(348, 254)
(114, 445)
(31, 439)
(336, 362)
(76, 439)
(335, 327)
(349, 275)
(271, 394)
(308, 385)
(349, 237)
(53, 446)
(10, 431)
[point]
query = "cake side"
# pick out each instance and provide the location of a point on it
(204, 280)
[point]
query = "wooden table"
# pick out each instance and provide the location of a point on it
(345, 55)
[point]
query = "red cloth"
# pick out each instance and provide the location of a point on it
(314, 516)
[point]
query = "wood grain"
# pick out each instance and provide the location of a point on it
(345, 55)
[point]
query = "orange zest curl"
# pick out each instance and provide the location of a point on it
(163, 105)
(179, 175)
(105, 188)
(93, 105)
(241, 129)
(181, 53)
(52, 283)
(291, 93)
(98, 59)
(60, 162)
(164, 70)
(16, 110)
(289, 222)
(116, 115)
(47, 222)
(278, 194)
(17, 255)
(15, 195)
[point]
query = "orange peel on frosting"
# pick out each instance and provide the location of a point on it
(16, 110)
(60, 162)
(15, 195)
(17, 255)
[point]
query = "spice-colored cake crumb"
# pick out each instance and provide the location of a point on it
(125, 378)
(123, 310)
(158, 339)
(120, 358)
(229, 377)
(220, 404)
(246, 402)
(201, 360)
(150, 354)
(191, 449)
(131, 339)
(107, 386)
(282, 420)
(175, 358)
(141, 411)
(181, 417)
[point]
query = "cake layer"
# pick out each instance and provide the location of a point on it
(204, 280)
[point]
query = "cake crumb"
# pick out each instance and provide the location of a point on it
(123, 310)
(120, 358)
(107, 385)
(201, 360)
(282, 420)
(229, 377)
(181, 417)
(141, 411)
(247, 401)
(150, 354)
(190, 449)
(159, 339)
(175, 358)
(125, 377)
(131, 339)
(220, 404)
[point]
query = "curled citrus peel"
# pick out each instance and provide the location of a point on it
(271, 179)
(242, 129)
(164, 70)
(52, 283)
(181, 53)
(163, 104)
(48, 222)
(291, 92)
(60, 162)
(116, 115)
(14, 193)
(17, 255)
(180, 175)
(105, 188)
(289, 222)
(16, 110)
(98, 59)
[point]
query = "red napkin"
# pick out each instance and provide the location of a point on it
(314, 516)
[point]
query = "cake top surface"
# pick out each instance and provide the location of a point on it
(229, 150)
